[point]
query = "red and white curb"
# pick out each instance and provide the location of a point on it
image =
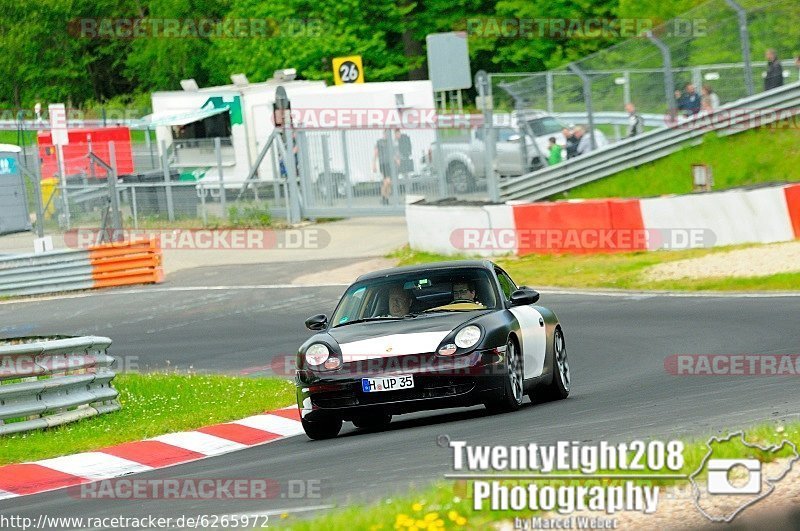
(141, 456)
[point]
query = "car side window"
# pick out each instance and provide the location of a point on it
(506, 284)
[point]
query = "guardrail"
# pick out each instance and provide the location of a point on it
(46, 382)
(97, 266)
(760, 109)
(610, 118)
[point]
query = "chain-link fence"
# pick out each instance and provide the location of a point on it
(713, 46)
(338, 173)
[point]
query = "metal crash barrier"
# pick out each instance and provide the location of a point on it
(46, 382)
(98, 266)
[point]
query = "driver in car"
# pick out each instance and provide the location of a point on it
(399, 301)
(464, 291)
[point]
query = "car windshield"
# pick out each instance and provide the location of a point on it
(547, 125)
(408, 295)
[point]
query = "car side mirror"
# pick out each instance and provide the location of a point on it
(524, 296)
(514, 138)
(317, 322)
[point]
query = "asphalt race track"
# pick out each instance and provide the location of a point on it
(617, 345)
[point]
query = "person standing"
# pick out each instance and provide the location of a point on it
(554, 156)
(571, 142)
(710, 100)
(774, 77)
(689, 101)
(635, 120)
(382, 159)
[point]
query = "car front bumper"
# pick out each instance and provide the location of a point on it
(439, 382)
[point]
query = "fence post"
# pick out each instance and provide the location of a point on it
(393, 169)
(482, 83)
(626, 88)
(669, 83)
(37, 176)
(326, 169)
(167, 180)
(222, 199)
(440, 168)
(744, 37)
(349, 186)
(116, 219)
(134, 208)
(549, 83)
(587, 98)
(62, 170)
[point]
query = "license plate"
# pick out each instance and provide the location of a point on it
(387, 383)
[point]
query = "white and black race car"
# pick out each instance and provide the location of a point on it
(416, 338)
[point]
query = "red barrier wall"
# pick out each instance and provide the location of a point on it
(793, 202)
(75, 159)
(585, 227)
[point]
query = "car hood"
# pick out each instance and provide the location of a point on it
(418, 335)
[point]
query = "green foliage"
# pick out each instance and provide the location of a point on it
(47, 54)
(249, 215)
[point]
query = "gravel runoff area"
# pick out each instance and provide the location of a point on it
(762, 260)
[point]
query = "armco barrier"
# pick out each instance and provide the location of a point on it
(99, 266)
(54, 381)
(763, 215)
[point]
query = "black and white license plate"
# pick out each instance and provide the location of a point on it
(387, 383)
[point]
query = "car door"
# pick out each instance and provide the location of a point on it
(508, 151)
(531, 327)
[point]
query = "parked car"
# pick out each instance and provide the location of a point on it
(464, 158)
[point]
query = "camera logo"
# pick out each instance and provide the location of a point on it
(722, 476)
(736, 474)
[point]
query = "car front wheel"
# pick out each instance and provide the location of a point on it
(513, 391)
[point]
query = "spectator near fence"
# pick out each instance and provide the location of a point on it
(774, 77)
(797, 64)
(688, 101)
(710, 100)
(635, 120)
(554, 156)
(570, 142)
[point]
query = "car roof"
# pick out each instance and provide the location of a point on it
(431, 266)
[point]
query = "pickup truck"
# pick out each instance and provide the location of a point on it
(464, 157)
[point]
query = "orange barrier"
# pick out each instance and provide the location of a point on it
(793, 203)
(126, 263)
(585, 227)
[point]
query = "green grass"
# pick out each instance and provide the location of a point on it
(751, 157)
(613, 271)
(153, 404)
(448, 504)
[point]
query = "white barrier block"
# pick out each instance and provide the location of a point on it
(734, 217)
(431, 228)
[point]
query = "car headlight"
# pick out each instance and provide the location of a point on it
(316, 354)
(468, 336)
